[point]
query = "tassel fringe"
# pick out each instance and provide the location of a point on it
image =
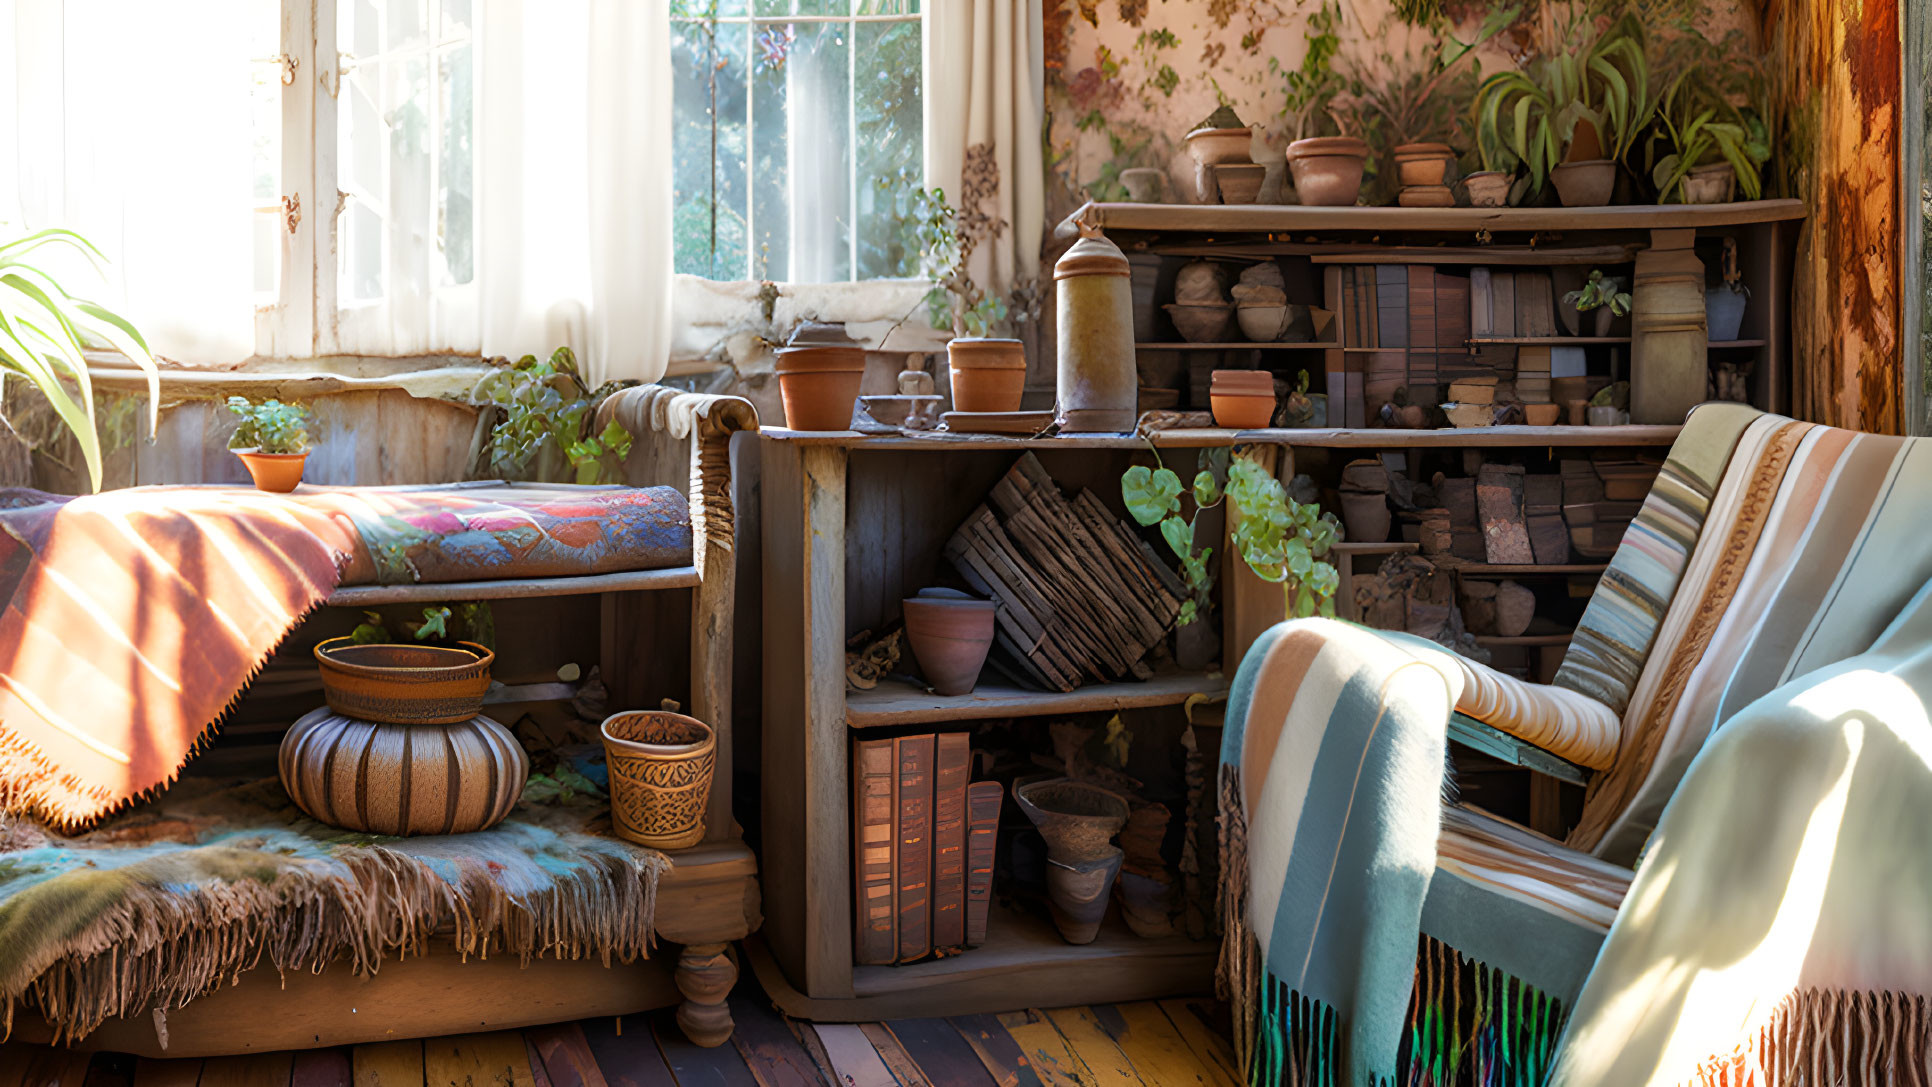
(1822, 1037)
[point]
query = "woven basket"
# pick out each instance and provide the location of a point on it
(660, 776)
(404, 684)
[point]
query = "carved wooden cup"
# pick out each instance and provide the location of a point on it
(660, 776)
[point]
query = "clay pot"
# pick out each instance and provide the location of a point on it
(404, 684)
(950, 634)
(402, 779)
(1541, 414)
(1077, 820)
(1145, 185)
(1424, 163)
(1145, 904)
(1242, 399)
(1262, 324)
(1585, 184)
(1077, 894)
(1365, 516)
(661, 765)
(1605, 317)
(1239, 182)
(988, 375)
(1427, 196)
(1328, 169)
(820, 384)
(1710, 184)
(1198, 644)
(1204, 323)
(1218, 146)
(1487, 189)
(277, 472)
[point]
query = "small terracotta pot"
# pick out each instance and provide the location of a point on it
(1216, 146)
(1328, 169)
(404, 684)
(1586, 184)
(988, 374)
(1242, 399)
(277, 472)
(1710, 184)
(1424, 163)
(1239, 182)
(1077, 820)
(820, 384)
(1365, 516)
(950, 634)
(1541, 414)
(1488, 189)
(661, 765)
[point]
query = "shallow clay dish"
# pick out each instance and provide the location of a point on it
(998, 422)
(404, 684)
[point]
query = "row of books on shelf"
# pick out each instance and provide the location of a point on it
(923, 836)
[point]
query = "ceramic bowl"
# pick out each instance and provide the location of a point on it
(1239, 183)
(950, 634)
(1201, 323)
(404, 684)
(1262, 324)
(1216, 146)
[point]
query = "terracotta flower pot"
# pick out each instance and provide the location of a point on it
(1242, 399)
(1488, 189)
(988, 374)
(404, 684)
(1710, 184)
(402, 779)
(820, 384)
(950, 634)
(661, 765)
(1365, 516)
(1424, 163)
(1328, 169)
(277, 472)
(1077, 820)
(1239, 182)
(1585, 184)
(1077, 895)
(1218, 146)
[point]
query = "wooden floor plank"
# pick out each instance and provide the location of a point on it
(566, 1056)
(1053, 1060)
(1155, 1046)
(630, 1059)
(110, 1070)
(256, 1070)
(808, 1038)
(1110, 1067)
(493, 1059)
(388, 1064)
(537, 1070)
(314, 1068)
(1209, 1044)
(854, 1061)
(894, 1055)
(770, 1049)
(694, 1065)
(148, 1072)
(46, 1066)
(940, 1052)
(997, 1050)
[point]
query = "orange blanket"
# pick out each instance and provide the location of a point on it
(132, 619)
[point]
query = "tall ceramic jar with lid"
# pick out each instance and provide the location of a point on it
(1098, 383)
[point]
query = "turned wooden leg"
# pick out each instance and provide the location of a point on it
(705, 975)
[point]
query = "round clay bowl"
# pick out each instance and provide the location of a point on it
(1423, 163)
(1327, 169)
(661, 765)
(1077, 820)
(276, 472)
(987, 374)
(1586, 184)
(950, 635)
(1488, 189)
(404, 684)
(1541, 414)
(1365, 516)
(1262, 324)
(1201, 323)
(820, 384)
(1215, 146)
(1242, 411)
(402, 779)
(1239, 183)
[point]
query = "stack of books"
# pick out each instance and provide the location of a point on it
(923, 835)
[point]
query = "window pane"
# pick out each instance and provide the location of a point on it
(407, 209)
(456, 229)
(708, 60)
(359, 28)
(362, 134)
(268, 251)
(802, 192)
(888, 7)
(803, 7)
(456, 19)
(406, 24)
(889, 147)
(362, 252)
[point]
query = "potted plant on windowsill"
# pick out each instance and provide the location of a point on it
(272, 441)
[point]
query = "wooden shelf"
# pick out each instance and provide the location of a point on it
(1023, 964)
(1526, 640)
(1726, 345)
(897, 702)
(1490, 569)
(1348, 547)
(1233, 346)
(1508, 255)
(1270, 219)
(1551, 341)
(356, 596)
(1210, 437)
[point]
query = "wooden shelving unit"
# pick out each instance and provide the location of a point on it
(897, 702)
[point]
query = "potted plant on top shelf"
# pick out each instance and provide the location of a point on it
(1574, 113)
(1715, 147)
(1325, 164)
(272, 441)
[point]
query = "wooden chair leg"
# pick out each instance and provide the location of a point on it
(705, 975)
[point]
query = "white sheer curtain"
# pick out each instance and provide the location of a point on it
(574, 182)
(985, 95)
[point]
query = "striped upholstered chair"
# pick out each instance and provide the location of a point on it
(1744, 688)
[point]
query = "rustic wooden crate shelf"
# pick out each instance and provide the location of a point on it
(896, 702)
(1230, 345)
(357, 596)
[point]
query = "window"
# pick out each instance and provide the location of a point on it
(388, 129)
(797, 138)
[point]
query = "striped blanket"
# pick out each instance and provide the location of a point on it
(1777, 553)
(133, 618)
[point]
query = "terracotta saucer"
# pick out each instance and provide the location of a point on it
(997, 422)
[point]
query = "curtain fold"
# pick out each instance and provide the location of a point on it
(985, 89)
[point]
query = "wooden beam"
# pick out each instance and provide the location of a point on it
(360, 596)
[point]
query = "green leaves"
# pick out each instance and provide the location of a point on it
(44, 332)
(270, 426)
(1532, 116)
(1284, 541)
(546, 410)
(1150, 494)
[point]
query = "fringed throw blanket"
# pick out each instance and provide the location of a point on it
(166, 902)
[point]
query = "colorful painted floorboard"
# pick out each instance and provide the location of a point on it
(1171, 1043)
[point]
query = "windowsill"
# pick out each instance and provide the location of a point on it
(724, 323)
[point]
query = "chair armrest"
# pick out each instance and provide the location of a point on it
(1569, 725)
(682, 439)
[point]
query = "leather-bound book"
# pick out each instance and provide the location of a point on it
(912, 801)
(874, 848)
(952, 770)
(983, 799)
